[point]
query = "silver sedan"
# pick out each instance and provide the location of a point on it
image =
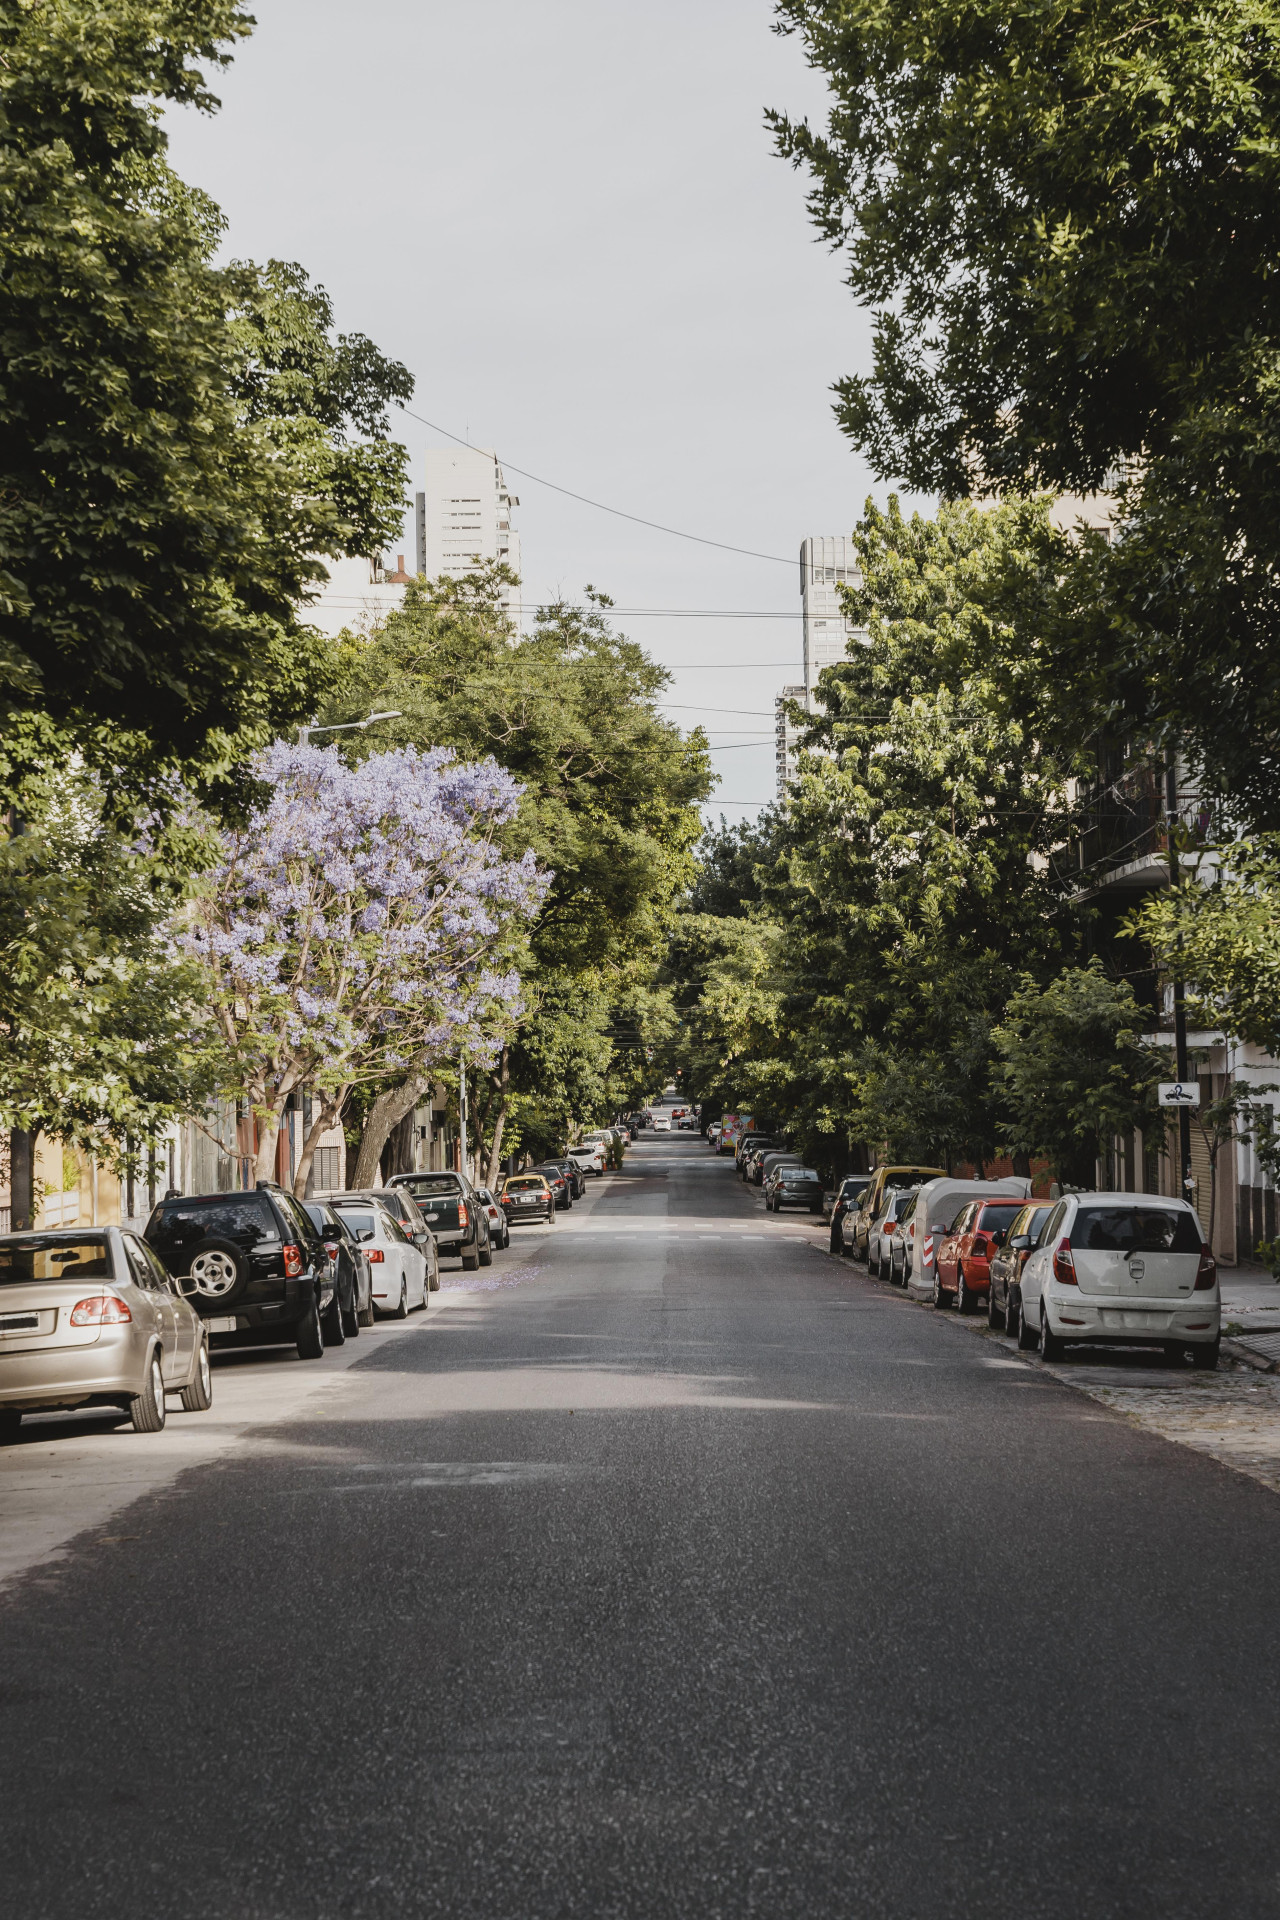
(90, 1318)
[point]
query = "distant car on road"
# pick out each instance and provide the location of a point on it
(499, 1231)
(94, 1319)
(589, 1156)
(793, 1186)
(527, 1196)
(848, 1194)
(558, 1183)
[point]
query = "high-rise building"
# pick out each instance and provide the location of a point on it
(788, 736)
(464, 516)
(827, 563)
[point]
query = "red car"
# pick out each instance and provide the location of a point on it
(964, 1256)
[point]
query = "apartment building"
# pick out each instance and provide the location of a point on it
(464, 516)
(787, 736)
(827, 564)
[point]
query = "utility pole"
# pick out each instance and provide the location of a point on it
(1181, 1068)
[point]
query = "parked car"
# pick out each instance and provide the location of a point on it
(872, 1204)
(879, 1255)
(848, 1194)
(938, 1204)
(688, 1122)
(257, 1267)
(900, 1236)
(499, 1231)
(557, 1182)
(962, 1256)
(352, 1272)
(94, 1319)
(588, 1156)
(714, 1131)
(449, 1205)
(1004, 1293)
(752, 1152)
(573, 1173)
(772, 1158)
(401, 1204)
(527, 1196)
(793, 1186)
(1122, 1269)
(400, 1271)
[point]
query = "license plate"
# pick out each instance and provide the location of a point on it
(226, 1324)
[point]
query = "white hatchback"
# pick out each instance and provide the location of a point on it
(1122, 1269)
(400, 1273)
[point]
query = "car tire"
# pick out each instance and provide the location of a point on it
(835, 1243)
(964, 1295)
(941, 1298)
(433, 1277)
(1206, 1358)
(335, 1333)
(147, 1409)
(470, 1261)
(486, 1254)
(995, 1315)
(197, 1395)
(310, 1335)
(400, 1311)
(1051, 1346)
(1026, 1332)
(351, 1320)
(218, 1270)
(366, 1315)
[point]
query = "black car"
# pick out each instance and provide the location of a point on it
(574, 1174)
(851, 1191)
(454, 1212)
(557, 1181)
(792, 1186)
(259, 1270)
(1012, 1245)
(350, 1264)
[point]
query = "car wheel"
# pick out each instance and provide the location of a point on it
(401, 1309)
(1206, 1358)
(964, 1298)
(366, 1314)
(995, 1315)
(197, 1395)
(1051, 1345)
(941, 1298)
(1026, 1332)
(470, 1261)
(335, 1334)
(486, 1254)
(433, 1278)
(351, 1316)
(147, 1409)
(310, 1334)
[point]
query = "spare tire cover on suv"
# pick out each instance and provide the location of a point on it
(219, 1269)
(212, 1238)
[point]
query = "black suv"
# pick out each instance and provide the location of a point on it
(257, 1268)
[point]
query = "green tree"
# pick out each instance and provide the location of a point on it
(609, 809)
(1075, 1069)
(1064, 221)
(179, 441)
(1224, 939)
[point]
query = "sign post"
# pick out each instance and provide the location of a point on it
(1180, 1093)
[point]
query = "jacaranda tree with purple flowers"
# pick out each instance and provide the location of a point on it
(362, 922)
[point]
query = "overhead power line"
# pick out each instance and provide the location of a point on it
(677, 533)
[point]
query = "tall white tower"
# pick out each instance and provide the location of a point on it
(827, 563)
(464, 516)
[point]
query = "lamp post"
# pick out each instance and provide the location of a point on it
(348, 726)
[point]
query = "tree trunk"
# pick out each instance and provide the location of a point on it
(268, 1135)
(327, 1114)
(386, 1111)
(499, 1081)
(399, 1154)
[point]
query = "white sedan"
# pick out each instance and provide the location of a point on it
(400, 1274)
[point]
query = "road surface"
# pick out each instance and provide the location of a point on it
(674, 1571)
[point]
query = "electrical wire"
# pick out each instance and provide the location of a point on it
(677, 533)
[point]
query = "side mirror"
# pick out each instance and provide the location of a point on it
(998, 1237)
(1020, 1242)
(183, 1283)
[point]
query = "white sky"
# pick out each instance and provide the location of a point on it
(568, 221)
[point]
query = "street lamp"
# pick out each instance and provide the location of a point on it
(347, 726)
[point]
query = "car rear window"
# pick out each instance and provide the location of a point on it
(68, 1256)
(359, 1221)
(994, 1214)
(1136, 1230)
(794, 1175)
(245, 1217)
(432, 1183)
(531, 1183)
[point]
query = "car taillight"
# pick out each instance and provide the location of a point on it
(292, 1261)
(376, 1255)
(1064, 1266)
(462, 1214)
(100, 1310)
(981, 1245)
(1206, 1272)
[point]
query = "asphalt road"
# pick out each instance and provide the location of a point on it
(682, 1572)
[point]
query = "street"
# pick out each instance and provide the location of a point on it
(670, 1567)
